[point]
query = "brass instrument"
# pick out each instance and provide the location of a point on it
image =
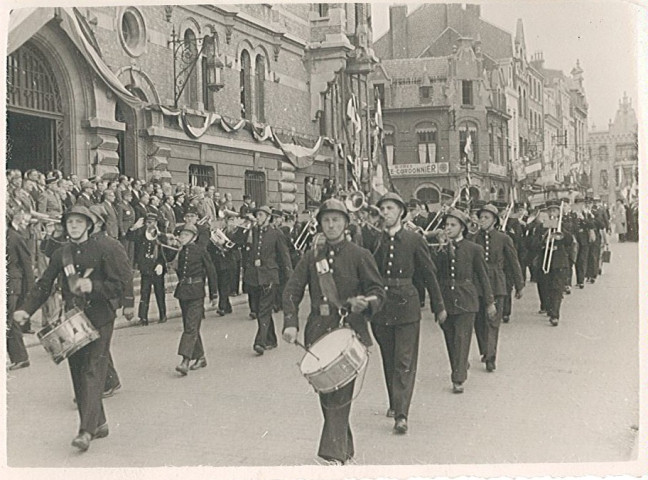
(224, 212)
(38, 217)
(507, 215)
(410, 225)
(552, 236)
(219, 238)
(438, 218)
(355, 202)
(309, 230)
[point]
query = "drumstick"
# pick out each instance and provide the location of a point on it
(88, 272)
(304, 347)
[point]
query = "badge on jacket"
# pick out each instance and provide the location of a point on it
(257, 262)
(322, 266)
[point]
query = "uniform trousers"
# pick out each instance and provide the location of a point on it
(555, 288)
(253, 298)
(457, 331)
(157, 283)
(224, 290)
(399, 346)
(593, 260)
(15, 345)
(236, 278)
(266, 335)
(487, 330)
(507, 303)
(541, 283)
(191, 345)
(112, 379)
(336, 441)
(581, 262)
(88, 368)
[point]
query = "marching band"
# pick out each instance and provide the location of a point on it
(364, 265)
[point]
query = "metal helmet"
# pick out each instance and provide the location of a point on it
(394, 197)
(492, 209)
(459, 215)
(332, 205)
(79, 210)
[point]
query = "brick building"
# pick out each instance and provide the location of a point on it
(250, 98)
(614, 155)
(539, 113)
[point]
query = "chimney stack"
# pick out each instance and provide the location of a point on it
(398, 31)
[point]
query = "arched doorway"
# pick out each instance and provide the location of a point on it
(428, 195)
(128, 140)
(35, 115)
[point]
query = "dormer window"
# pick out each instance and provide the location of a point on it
(467, 92)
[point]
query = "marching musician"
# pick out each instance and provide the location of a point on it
(462, 275)
(420, 218)
(152, 264)
(500, 257)
(583, 225)
(515, 230)
(20, 281)
(224, 259)
(337, 272)
(551, 284)
(191, 218)
(277, 223)
(371, 230)
(266, 254)
(93, 280)
(401, 256)
(598, 224)
(194, 265)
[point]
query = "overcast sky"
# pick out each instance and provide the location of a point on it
(601, 34)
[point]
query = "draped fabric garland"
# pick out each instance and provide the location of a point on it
(297, 151)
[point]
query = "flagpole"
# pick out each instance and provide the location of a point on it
(368, 138)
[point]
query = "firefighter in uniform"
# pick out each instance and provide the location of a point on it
(223, 256)
(553, 281)
(93, 280)
(20, 281)
(267, 253)
(348, 272)
(500, 256)
(582, 237)
(151, 262)
(401, 255)
(462, 276)
(194, 265)
(515, 230)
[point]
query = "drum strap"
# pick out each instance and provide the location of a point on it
(68, 266)
(327, 284)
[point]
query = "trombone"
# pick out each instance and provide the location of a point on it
(507, 215)
(552, 236)
(438, 218)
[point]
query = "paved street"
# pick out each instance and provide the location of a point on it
(565, 394)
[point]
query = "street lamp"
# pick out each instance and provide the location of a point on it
(185, 58)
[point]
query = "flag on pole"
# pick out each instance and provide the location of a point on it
(381, 182)
(468, 148)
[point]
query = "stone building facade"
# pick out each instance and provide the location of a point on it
(250, 98)
(614, 154)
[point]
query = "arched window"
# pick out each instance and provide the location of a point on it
(259, 90)
(468, 150)
(191, 89)
(246, 85)
(209, 52)
(500, 195)
(390, 144)
(428, 195)
(426, 134)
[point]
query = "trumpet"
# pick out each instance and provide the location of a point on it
(552, 236)
(169, 239)
(309, 230)
(219, 238)
(410, 225)
(224, 212)
(37, 217)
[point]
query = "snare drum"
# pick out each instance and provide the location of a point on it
(334, 360)
(66, 337)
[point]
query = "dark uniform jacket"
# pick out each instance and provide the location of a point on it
(355, 273)
(140, 211)
(178, 210)
(203, 235)
(167, 218)
(399, 258)
(194, 265)
(84, 201)
(50, 203)
(516, 231)
(500, 256)
(125, 217)
(561, 250)
(149, 253)
(463, 279)
(108, 287)
(106, 242)
(266, 254)
(20, 276)
(370, 237)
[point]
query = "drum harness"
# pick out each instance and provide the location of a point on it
(72, 277)
(330, 292)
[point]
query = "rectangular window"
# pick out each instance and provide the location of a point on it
(205, 90)
(201, 176)
(255, 186)
(427, 146)
(424, 94)
(466, 92)
(379, 91)
(322, 9)
(389, 147)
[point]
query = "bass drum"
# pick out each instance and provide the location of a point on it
(334, 360)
